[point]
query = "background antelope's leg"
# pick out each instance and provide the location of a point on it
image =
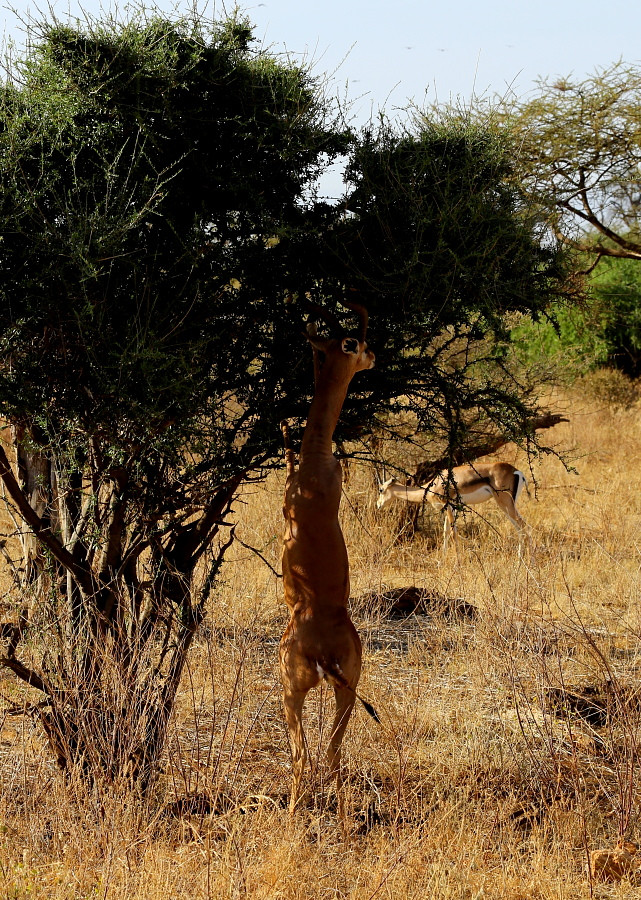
(507, 505)
(449, 526)
(345, 700)
(293, 703)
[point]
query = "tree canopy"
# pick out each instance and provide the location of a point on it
(441, 244)
(605, 330)
(581, 149)
(163, 242)
(145, 172)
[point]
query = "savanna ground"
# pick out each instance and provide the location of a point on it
(508, 747)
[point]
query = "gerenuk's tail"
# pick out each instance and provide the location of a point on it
(334, 675)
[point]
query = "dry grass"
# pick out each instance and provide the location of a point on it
(508, 745)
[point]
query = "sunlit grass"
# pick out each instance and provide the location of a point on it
(482, 780)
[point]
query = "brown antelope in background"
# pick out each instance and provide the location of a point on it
(467, 484)
(320, 641)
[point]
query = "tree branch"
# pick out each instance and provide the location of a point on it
(26, 674)
(42, 532)
(631, 250)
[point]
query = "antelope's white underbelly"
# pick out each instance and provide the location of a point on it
(477, 494)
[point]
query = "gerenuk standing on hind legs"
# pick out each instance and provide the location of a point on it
(320, 641)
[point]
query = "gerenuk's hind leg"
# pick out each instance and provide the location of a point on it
(293, 703)
(345, 700)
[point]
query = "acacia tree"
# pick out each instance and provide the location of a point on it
(580, 146)
(146, 172)
(443, 242)
(162, 245)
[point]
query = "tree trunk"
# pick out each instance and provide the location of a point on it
(33, 474)
(119, 615)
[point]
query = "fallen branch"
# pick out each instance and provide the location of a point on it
(484, 446)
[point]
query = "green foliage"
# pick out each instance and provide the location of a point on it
(616, 291)
(146, 170)
(565, 344)
(155, 218)
(443, 225)
(605, 329)
(143, 171)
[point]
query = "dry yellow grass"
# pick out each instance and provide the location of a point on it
(508, 746)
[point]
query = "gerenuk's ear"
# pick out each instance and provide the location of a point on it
(311, 333)
(350, 346)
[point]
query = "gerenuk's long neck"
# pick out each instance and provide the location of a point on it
(326, 407)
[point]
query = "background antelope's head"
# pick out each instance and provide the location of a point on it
(384, 493)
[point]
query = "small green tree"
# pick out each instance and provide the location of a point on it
(616, 305)
(162, 244)
(604, 330)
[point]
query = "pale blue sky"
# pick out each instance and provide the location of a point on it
(393, 51)
(384, 53)
(387, 52)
